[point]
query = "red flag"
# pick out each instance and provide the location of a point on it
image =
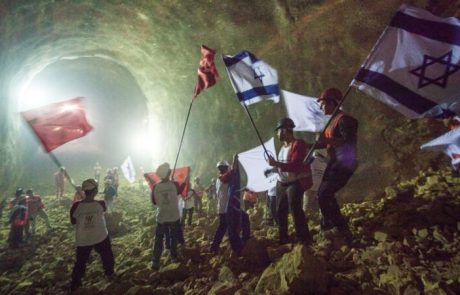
(58, 123)
(180, 176)
(207, 71)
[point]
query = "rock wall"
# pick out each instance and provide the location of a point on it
(313, 44)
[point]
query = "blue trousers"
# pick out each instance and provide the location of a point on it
(236, 223)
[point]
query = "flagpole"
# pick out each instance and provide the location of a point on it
(59, 165)
(255, 128)
(182, 139)
(54, 158)
(334, 113)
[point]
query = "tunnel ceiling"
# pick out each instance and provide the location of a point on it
(312, 43)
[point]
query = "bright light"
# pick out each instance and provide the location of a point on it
(34, 96)
(148, 141)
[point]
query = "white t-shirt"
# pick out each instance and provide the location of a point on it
(90, 222)
(165, 196)
(283, 156)
(189, 202)
(222, 196)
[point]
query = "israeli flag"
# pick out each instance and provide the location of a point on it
(128, 170)
(252, 79)
(415, 65)
(448, 143)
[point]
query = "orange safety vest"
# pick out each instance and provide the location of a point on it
(329, 131)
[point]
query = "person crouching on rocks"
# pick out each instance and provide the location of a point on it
(90, 232)
(165, 197)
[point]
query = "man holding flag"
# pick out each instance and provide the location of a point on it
(294, 179)
(339, 137)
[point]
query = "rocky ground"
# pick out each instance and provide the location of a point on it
(407, 242)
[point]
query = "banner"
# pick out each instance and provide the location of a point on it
(305, 112)
(254, 164)
(127, 168)
(181, 175)
(414, 66)
(252, 79)
(58, 123)
(207, 71)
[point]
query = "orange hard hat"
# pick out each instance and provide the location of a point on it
(331, 93)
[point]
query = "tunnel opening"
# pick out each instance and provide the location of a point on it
(115, 105)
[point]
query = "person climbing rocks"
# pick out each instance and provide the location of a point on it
(340, 139)
(294, 179)
(109, 193)
(90, 232)
(165, 195)
(36, 209)
(232, 220)
(59, 181)
(187, 205)
(198, 195)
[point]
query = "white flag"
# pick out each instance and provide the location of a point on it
(128, 170)
(414, 66)
(305, 112)
(254, 164)
(252, 79)
(449, 143)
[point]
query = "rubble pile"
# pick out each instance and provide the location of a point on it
(405, 242)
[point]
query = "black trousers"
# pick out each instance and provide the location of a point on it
(104, 249)
(170, 228)
(289, 198)
(335, 177)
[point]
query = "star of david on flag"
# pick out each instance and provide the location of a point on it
(252, 79)
(414, 66)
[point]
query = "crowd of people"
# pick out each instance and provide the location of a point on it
(175, 210)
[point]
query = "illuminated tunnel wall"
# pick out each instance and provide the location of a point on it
(153, 46)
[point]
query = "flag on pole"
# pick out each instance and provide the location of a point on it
(254, 164)
(449, 143)
(180, 176)
(305, 112)
(58, 123)
(128, 170)
(414, 66)
(207, 71)
(252, 79)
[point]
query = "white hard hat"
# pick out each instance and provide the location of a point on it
(222, 163)
(163, 170)
(89, 184)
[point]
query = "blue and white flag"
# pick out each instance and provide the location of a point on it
(252, 79)
(449, 143)
(255, 164)
(305, 112)
(414, 66)
(128, 170)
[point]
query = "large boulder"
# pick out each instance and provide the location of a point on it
(297, 272)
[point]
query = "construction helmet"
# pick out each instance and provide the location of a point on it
(285, 123)
(222, 163)
(331, 94)
(89, 184)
